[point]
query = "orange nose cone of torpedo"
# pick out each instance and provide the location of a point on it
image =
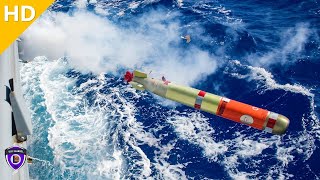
(252, 116)
(281, 125)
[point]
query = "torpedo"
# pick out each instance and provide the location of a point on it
(255, 117)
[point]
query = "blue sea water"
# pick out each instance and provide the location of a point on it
(90, 125)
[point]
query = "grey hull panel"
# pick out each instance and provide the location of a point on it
(12, 106)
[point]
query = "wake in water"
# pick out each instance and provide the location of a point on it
(90, 136)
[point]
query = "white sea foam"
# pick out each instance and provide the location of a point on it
(195, 128)
(110, 167)
(168, 171)
(249, 148)
(291, 47)
(99, 46)
(84, 139)
(72, 116)
(262, 75)
(41, 120)
(99, 9)
(134, 5)
(180, 3)
(81, 4)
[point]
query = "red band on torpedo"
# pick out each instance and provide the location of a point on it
(271, 123)
(222, 107)
(201, 93)
(199, 98)
(197, 106)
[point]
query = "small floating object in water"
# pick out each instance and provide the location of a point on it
(187, 38)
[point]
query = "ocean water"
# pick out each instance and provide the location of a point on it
(89, 124)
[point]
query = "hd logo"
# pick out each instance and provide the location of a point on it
(16, 16)
(23, 12)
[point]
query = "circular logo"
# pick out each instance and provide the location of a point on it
(15, 159)
(246, 119)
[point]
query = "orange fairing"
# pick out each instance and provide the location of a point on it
(242, 113)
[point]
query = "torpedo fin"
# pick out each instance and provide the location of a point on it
(137, 85)
(139, 74)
